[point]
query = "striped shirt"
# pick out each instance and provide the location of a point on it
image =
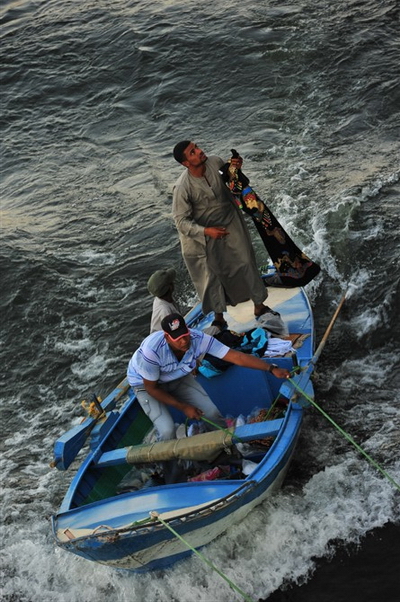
(155, 360)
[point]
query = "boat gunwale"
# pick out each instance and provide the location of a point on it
(294, 416)
(271, 469)
(154, 523)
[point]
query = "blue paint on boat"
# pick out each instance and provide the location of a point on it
(122, 530)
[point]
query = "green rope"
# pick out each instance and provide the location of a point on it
(272, 406)
(156, 516)
(346, 435)
(221, 428)
(295, 370)
(186, 426)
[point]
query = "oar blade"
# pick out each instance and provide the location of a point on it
(67, 447)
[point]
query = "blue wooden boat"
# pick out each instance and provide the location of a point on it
(129, 529)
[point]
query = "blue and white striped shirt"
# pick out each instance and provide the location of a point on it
(155, 360)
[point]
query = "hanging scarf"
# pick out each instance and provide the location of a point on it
(293, 267)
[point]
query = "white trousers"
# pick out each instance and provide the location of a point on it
(185, 389)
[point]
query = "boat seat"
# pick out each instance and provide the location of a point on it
(184, 448)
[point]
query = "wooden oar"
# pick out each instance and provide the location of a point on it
(320, 347)
(67, 447)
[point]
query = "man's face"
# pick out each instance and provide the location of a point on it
(194, 156)
(181, 344)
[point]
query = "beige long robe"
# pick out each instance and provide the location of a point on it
(222, 270)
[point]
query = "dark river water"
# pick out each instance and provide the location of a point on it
(94, 96)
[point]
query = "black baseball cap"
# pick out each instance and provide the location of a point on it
(175, 326)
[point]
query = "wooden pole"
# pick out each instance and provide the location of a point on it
(320, 347)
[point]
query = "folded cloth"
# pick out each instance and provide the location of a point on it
(278, 347)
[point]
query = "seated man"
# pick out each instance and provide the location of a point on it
(161, 373)
(161, 285)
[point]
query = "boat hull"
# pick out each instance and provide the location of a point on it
(137, 530)
(154, 547)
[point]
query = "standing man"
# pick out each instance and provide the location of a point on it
(215, 241)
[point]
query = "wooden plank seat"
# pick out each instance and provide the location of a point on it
(205, 445)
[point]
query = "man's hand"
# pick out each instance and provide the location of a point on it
(237, 162)
(216, 232)
(153, 388)
(280, 373)
(252, 361)
(192, 412)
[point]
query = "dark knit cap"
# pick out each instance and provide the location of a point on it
(159, 282)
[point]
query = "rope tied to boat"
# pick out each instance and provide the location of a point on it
(93, 408)
(155, 516)
(346, 435)
(221, 428)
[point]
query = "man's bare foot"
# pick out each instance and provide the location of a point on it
(219, 321)
(260, 310)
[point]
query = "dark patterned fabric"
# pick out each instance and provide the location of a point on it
(293, 267)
